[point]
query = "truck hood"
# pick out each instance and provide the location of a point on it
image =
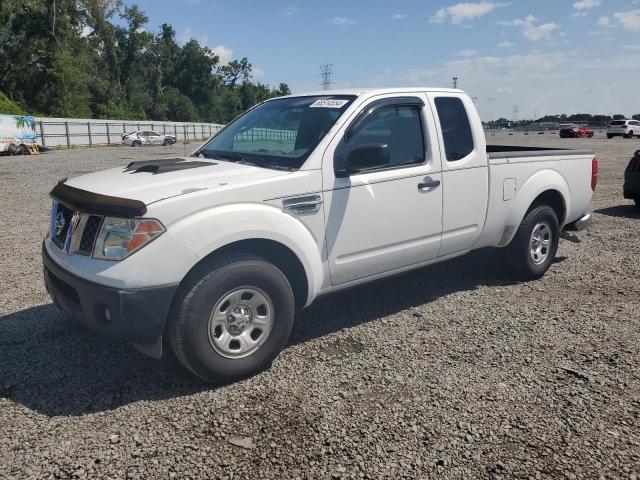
(153, 180)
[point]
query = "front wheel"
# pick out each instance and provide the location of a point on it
(534, 246)
(232, 319)
(609, 136)
(136, 143)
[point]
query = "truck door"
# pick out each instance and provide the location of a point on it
(465, 172)
(384, 219)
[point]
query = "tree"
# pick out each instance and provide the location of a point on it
(619, 116)
(70, 58)
(636, 116)
(9, 107)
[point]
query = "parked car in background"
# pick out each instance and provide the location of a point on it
(138, 139)
(623, 128)
(632, 179)
(575, 131)
(299, 197)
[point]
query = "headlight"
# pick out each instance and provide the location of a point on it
(120, 237)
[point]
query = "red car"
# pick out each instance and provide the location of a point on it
(576, 131)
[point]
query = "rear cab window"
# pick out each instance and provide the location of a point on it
(456, 128)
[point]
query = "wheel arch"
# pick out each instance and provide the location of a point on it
(546, 187)
(259, 229)
(273, 251)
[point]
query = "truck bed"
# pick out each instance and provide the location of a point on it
(514, 151)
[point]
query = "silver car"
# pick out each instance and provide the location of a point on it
(148, 137)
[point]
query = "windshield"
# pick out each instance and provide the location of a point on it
(280, 133)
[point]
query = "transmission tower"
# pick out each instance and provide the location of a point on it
(455, 82)
(326, 72)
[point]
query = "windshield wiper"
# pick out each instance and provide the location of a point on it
(235, 157)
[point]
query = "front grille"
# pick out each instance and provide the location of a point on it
(83, 233)
(89, 235)
(61, 221)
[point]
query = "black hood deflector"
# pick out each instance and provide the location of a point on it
(165, 165)
(97, 204)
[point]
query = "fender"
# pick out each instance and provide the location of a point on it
(536, 184)
(246, 221)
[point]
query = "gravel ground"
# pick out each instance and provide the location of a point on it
(453, 371)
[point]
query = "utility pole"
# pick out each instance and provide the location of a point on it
(515, 113)
(326, 72)
(455, 82)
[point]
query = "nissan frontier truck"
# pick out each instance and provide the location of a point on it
(301, 196)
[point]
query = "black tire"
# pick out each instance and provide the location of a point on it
(136, 143)
(166, 142)
(629, 135)
(637, 201)
(188, 329)
(609, 136)
(518, 250)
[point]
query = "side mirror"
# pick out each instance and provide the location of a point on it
(365, 157)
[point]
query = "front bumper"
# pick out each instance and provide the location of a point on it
(631, 187)
(136, 315)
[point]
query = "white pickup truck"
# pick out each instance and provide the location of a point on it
(299, 197)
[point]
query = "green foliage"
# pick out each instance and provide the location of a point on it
(636, 116)
(9, 107)
(69, 58)
(581, 118)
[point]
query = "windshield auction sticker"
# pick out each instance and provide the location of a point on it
(328, 103)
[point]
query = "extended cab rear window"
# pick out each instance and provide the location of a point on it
(456, 129)
(619, 122)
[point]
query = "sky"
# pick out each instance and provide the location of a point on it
(517, 58)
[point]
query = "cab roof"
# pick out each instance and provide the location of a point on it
(372, 91)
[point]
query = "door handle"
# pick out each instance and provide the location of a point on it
(426, 185)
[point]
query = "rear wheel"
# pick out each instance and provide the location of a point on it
(630, 134)
(136, 143)
(534, 246)
(609, 136)
(165, 142)
(232, 319)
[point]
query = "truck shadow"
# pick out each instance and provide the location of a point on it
(55, 367)
(626, 211)
(369, 302)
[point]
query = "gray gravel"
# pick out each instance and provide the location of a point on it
(454, 371)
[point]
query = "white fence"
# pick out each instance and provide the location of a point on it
(53, 132)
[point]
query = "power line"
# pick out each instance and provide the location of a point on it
(326, 72)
